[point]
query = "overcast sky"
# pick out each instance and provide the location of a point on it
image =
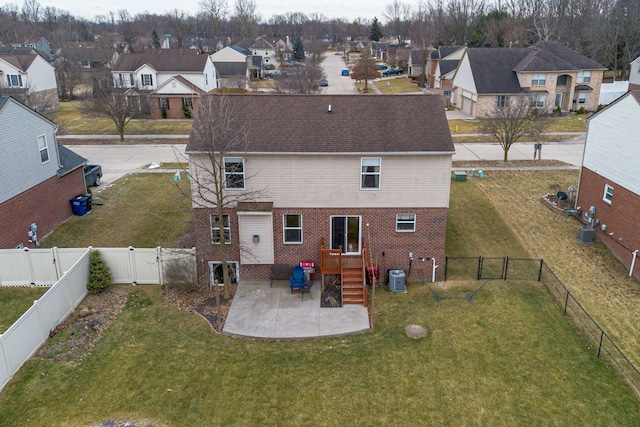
(349, 9)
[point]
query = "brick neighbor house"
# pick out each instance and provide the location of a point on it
(38, 175)
(328, 189)
(609, 179)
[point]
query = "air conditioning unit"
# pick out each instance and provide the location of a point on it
(586, 234)
(396, 281)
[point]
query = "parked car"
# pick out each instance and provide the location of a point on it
(324, 82)
(382, 66)
(274, 73)
(92, 175)
(292, 64)
(392, 71)
(345, 72)
(339, 53)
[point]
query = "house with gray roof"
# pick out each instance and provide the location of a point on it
(307, 179)
(549, 74)
(234, 64)
(38, 176)
(171, 81)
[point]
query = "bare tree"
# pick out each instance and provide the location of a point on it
(217, 10)
(365, 69)
(179, 25)
(247, 17)
(399, 16)
(120, 104)
(68, 74)
(304, 79)
(511, 120)
(218, 132)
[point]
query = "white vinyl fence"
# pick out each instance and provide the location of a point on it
(67, 272)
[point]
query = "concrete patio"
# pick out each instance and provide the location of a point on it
(264, 312)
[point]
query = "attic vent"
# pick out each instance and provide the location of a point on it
(329, 109)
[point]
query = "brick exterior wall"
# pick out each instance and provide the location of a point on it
(47, 204)
(175, 110)
(389, 248)
(621, 216)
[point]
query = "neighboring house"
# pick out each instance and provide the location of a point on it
(609, 92)
(91, 58)
(172, 81)
(28, 77)
(446, 61)
(38, 175)
(259, 47)
(609, 189)
(634, 74)
(283, 49)
(40, 45)
(320, 179)
(233, 64)
(549, 74)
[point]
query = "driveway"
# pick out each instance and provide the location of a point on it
(338, 84)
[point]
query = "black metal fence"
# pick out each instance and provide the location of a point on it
(478, 268)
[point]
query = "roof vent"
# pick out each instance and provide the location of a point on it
(329, 109)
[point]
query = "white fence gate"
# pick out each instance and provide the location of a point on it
(67, 272)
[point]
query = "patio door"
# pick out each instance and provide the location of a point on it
(345, 234)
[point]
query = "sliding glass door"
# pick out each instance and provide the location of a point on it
(345, 234)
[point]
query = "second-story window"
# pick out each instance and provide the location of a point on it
(584, 76)
(147, 80)
(370, 173)
(234, 173)
(14, 80)
(538, 80)
(44, 150)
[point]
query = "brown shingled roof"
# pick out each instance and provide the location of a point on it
(356, 124)
(170, 62)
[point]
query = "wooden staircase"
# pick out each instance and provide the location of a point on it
(354, 290)
(352, 270)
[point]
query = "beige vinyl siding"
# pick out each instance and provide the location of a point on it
(325, 181)
(261, 224)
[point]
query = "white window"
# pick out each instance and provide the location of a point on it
(370, 173)
(502, 101)
(234, 172)
(537, 101)
(125, 79)
(582, 98)
(584, 76)
(608, 194)
(147, 80)
(292, 228)
(186, 102)
(14, 80)
(164, 104)
(217, 225)
(406, 222)
(44, 150)
(538, 80)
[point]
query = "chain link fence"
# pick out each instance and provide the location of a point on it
(479, 268)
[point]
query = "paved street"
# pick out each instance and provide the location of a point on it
(338, 84)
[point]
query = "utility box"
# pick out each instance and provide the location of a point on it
(459, 176)
(586, 234)
(396, 281)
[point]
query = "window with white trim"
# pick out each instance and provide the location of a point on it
(584, 77)
(217, 225)
(405, 222)
(502, 101)
(164, 104)
(537, 101)
(44, 150)
(370, 173)
(14, 80)
(147, 80)
(607, 197)
(582, 98)
(292, 228)
(538, 79)
(234, 173)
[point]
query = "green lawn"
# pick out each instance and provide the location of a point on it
(510, 358)
(15, 301)
(140, 210)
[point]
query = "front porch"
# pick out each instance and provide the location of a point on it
(269, 311)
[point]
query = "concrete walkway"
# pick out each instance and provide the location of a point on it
(264, 312)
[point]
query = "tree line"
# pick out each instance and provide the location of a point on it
(604, 30)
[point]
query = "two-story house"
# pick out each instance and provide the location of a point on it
(234, 64)
(28, 77)
(172, 81)
(609, 189)
(549, 74)
(259, 47)
(308, 185)
(38, 176)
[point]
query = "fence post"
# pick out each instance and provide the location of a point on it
(505, 268)
(540, 270)
(32, 277)
(566, 303)
(446, 264)
(600, 346)
(132, 264)
(479, 267)
(159, 261)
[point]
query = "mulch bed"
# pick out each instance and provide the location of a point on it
(201, 301)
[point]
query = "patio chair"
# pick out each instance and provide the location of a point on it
(297, 279)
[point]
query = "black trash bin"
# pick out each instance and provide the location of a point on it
(81, 204)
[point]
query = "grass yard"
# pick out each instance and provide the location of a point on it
(73, 122)
(507, 359)
(15, 301)
(140, 210)
(568, 123)
(397, 85)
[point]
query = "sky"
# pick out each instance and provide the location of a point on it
(349, 9)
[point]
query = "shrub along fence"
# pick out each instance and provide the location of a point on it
(67, 272)
(479, 268)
